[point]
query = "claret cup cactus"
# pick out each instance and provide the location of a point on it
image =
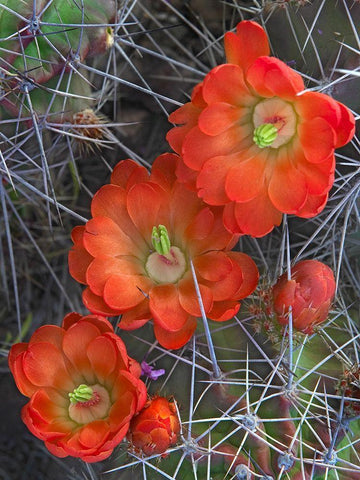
(222, 280)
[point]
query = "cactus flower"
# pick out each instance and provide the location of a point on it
(83, 387)
(155, 428)
(253, 142)
(309, 293)
(134, 254)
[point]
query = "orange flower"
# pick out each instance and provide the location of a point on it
(251, 142)
(155, 428)
(83, 387)
(134, 254)
(309, 292)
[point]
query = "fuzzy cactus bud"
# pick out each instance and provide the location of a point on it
(309, 293)
(156, 427)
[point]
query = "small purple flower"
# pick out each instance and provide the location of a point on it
(149, 371)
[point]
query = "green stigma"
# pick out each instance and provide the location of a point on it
(82, 393)
(264, 135)
(160, 240)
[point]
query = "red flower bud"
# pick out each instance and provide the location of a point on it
(155, 428)
(309, 292)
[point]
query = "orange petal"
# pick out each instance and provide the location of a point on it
(103, 267)
(256, 217)
(175, 339)
(188, 298)
(226, 83)
(15, 360)
(186, 175)
(136, 317)
(314, 205)
(213, 266)
(122, 411)
(166, 308)
(122, 292)
(246, 179)
(201, 225)
(75, 343)
(103, 356)
(346, 127)
(320, 176)
(100, 322)
(212, 177)
(163, 170)
(94, 434)
(145, 203)
(97, 305)
(198, 147)
(104, 237)
(317, 139)
(249, 271)
(224, 310)
(44, 366)
(287, 187)
(127, 172)
(226, 288)
(218, 117)
(79, 258)
(249, 43)
(46, 408)
(50, 334)
(270, 77)
(110, 201)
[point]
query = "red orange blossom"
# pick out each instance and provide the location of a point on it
(134, 254)
(83, 387)
(250, 141)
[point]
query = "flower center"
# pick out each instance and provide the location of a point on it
(89, 403)
(265, 134)
(168, 268)
(160, 239)
(274, 122)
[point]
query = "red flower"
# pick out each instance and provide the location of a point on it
(309, 292)
(134, 254)
(155, 428)
(251, 142)
(83, 388)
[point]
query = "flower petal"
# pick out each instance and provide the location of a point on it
(15, 360)
(226, 83)
(136, 317)
(249, 271)
(211, 179)
(75, 342)
(314, 205)
(270, 77)
(201, 225)
(256, 217)
(94, 434)
(97, 305)
(127, 172)
(224, 310)
(44, 366)
(102, 355)
(103, 235)
(317, 139)
(246, 179)
(79, 258)
(218, 117)
(166, 308)
(147, 204)
(103, 267)
(198, 147)
(213, 266)
(122, 292)
(287, 188)
(188, 298)
(249, 43)
(178, 338)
